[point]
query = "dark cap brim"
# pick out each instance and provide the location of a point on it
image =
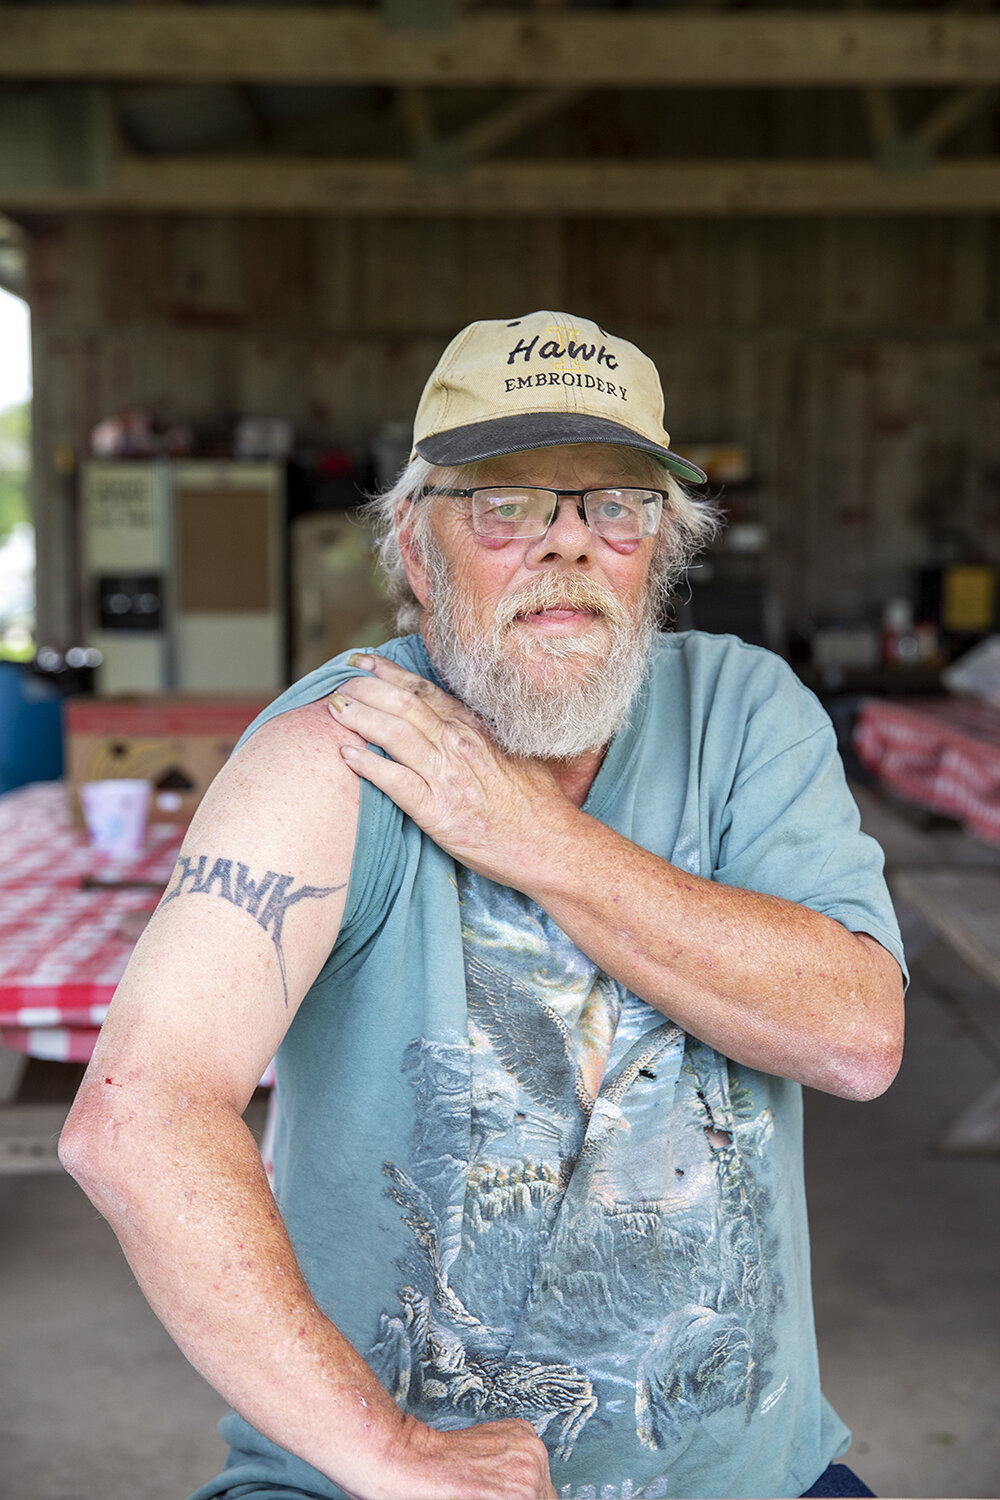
(502, 435)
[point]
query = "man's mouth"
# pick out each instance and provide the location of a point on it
(560, 607)
(558, 614)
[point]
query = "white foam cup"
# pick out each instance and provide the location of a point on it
(115, 813)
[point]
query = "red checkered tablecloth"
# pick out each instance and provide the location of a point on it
(941, 753)
(72, 1044)
(63, 948)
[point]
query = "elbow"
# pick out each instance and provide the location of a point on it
(867, 1077)
(90, 1150)
(77, 1151)
(866, 1066)
(868, 1040)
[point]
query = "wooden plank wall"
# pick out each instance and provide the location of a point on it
(860, 361)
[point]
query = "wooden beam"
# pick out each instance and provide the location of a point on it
(305, 185)
(882, 116)
(952, 114)
(417, 116)
(913, 150)
(512, 118)
(541, 49)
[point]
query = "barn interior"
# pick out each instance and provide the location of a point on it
(244, 234)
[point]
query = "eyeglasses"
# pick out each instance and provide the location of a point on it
(524, 511)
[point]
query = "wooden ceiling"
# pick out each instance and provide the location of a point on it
(429, 107)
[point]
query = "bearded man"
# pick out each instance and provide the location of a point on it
(551, 915)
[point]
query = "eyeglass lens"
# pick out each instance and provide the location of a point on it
(619, 515)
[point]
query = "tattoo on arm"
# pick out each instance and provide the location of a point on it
(266, 900)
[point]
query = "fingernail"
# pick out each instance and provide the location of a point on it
(360, 659)
(337, 701)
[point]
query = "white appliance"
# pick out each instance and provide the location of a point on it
(184, 564)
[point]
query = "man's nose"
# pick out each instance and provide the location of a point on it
(568, 537)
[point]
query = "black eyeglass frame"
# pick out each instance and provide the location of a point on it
(581, 502)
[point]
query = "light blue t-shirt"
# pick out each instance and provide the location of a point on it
(518, 1189)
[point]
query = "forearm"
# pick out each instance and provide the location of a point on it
(770, 983)
(188, 1198)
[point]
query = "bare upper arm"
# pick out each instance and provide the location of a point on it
(250, 915)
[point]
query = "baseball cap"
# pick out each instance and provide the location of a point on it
(541, 381)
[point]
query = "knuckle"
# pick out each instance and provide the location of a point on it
(461, 737)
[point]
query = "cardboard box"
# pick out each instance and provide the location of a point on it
(177, 743)
(339, 602)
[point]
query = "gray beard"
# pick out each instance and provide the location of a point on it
(582, 696)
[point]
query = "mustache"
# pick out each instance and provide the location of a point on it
(552, 590)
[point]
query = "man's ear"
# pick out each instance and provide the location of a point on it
(413, 557)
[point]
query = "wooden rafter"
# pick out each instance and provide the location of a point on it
(545, 49)
(510, 119)
(433, 151)
(911, 150)
(948, 117)
(883, 117)
(897, 148)
(417, 117)
(540, 188)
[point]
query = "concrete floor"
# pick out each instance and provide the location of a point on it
(97, 1404)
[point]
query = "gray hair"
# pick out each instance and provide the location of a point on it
(691, 523)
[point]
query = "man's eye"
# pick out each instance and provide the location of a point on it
(510, 510)
(614, 510)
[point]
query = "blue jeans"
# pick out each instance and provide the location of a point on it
(838, 1480)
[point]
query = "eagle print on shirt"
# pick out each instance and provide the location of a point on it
(585, 1219)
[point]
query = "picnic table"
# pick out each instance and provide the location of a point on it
(69, 919)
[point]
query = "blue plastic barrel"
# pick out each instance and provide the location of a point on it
(30, 727)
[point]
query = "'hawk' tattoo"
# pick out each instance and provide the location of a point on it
(266, 900)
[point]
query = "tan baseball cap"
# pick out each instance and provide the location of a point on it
(541, 381)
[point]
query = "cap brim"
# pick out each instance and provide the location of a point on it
(479, 440)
